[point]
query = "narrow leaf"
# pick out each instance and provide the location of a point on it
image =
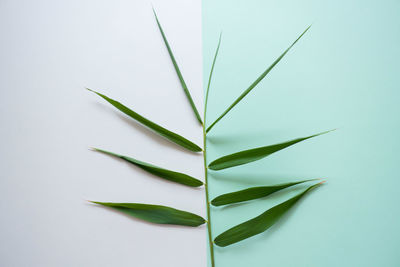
(178, 72)
(176, 177)
(254, 84)
(210, 77)
(173, 137)
(254, 154)
(156, 213)
(252, 193)
(258, 224)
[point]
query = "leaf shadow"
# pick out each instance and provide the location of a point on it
(230, 206)
(264, 236)
(229, 138)
(286, 217)
(258, 179)
(273, 198)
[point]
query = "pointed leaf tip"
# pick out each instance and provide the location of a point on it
(256, 82)
(173, 137)
(178, 71)
(210, 77)
(252, 193)
(250, 155)
(260, 223)
(156, 213)
(169, 175)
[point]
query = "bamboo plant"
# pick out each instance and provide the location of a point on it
(159, 214)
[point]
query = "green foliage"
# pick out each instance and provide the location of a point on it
(176, 177)
(250, 155)
(258, 224)
(210, 76)
(178, 71)
(254, 84)
(252, 193)
(167, 215)
(176, 138)
(156, 213)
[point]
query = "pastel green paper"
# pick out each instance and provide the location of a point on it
(343, 73)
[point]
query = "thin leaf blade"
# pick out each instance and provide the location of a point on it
(156, 213)
(254, 84)
(173, 137)
(210, 76)
(173, 176)
(250, 155)
(252, 193)
(178, 72)
(260, 223)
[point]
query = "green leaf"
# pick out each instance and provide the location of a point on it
(252, 193)
(254, 84)
(156, 213)
(210, 77)
(176, 177)
(254, 154)
(178, 72)
(258, 224)
(176, 138)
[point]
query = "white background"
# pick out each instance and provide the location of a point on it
(50, 51)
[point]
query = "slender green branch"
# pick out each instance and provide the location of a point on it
(208, 204)
(210, 77)
(178, 72)
(254, 84)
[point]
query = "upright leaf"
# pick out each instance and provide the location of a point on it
(254, 154)
(176, 177)
(256, 82)
(258, 224)
(173, 137)
(210, 77)
(156, 213)
(252, 193)
(178, 72)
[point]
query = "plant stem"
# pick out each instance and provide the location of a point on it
(210, 240)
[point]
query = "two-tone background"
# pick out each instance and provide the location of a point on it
(342, 74)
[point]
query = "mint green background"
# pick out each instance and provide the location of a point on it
(343, 74)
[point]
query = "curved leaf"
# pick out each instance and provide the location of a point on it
(258, 224)
(254, 154)
(156, 213)
(178, 72)
(252, 193)
(176, 177)
(259, 79)
(173, 137)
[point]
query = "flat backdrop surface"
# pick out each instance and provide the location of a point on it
(49, 52)
(342, 74)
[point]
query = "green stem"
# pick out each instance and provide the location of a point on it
(210, 240)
